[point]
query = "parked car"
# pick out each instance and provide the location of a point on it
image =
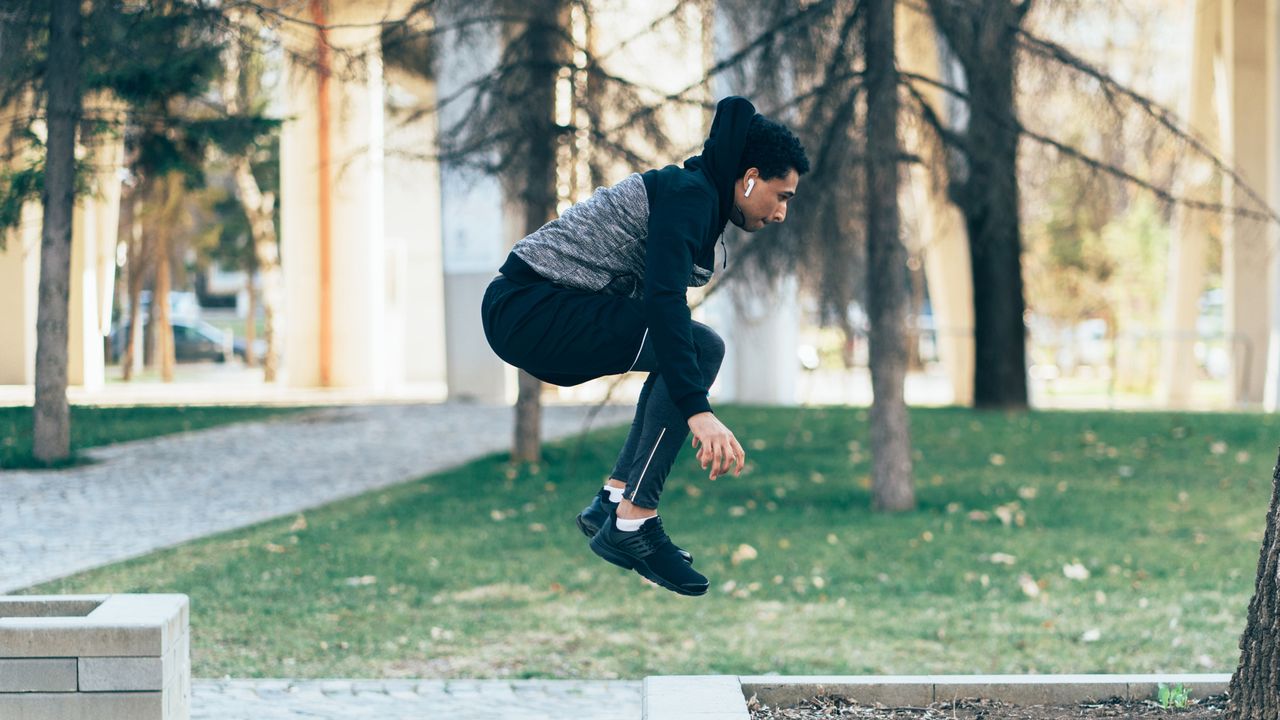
(193, 341)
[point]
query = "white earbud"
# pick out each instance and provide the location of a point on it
(751, 183)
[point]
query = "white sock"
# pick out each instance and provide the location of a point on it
(615, 493)
(629, 525)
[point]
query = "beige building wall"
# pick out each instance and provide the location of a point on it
(942, 233)
(1189, 243)
(19, 290)
(1246, 260)
(92, 278)
(367, 276)
(414, 232)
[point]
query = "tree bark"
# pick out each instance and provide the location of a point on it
(170, 189)
(160, 320)
(886, 270)
(1254, 693)
(544, 46)
(250, 321)
(985, 189)
(134, 273)
(52, 414)
(259, 207)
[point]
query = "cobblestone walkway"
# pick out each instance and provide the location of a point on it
(153, 493)
(416, 699)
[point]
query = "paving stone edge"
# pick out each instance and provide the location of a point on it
(724, 697)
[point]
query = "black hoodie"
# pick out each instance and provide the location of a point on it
(688, 209)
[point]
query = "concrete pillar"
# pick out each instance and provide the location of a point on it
(761, 329)
(1245, 264)
(1271, 396)
(942, 231)
(92, 275)
(93, 256)
(413, 226)
(19, 291)
(360, 279)
(1188, 245)
(475, 241)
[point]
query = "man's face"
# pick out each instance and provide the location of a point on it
(767, 202)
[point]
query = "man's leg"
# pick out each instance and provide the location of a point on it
(636, 539)
(602, 507)
(665, 432)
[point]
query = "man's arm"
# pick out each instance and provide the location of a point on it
(677, 224)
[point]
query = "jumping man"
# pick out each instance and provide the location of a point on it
(601, 290)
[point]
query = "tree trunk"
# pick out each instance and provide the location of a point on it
(170, 190)
(259, 206)
(1254, 693)
(133, 277)
(545, 50)
(161, 323)
(985, 189)
(886, 270)
(52, 415)
(249, 322)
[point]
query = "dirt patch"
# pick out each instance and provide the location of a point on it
(828, 706)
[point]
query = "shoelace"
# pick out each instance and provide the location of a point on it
(651, 539)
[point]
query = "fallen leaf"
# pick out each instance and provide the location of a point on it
(1028, 492)
(1028, 585)
(274, 548)
(299, 524)
(996, 459)
(1091, 635)
(361, 581)
(1000, 558)
(743, 553)
(1218, 447)
(1075, 571)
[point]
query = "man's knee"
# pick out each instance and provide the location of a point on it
(710, 345)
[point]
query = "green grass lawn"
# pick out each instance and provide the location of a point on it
(480, 572)
(93, 426)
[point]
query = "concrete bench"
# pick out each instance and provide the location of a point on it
(96, 657)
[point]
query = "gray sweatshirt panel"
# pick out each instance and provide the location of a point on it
(598, 244)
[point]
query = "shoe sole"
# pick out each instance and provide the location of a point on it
(627, 562)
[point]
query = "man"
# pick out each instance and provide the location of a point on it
(601, 291)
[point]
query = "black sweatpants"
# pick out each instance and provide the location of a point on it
(566, 337)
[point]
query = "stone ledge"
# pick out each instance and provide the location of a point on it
(117, 657)
(693, 697)
(117, 626)
(713, 697)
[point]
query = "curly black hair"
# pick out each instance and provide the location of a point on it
(772, 149)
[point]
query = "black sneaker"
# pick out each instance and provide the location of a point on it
(600, 512)
(651, 553)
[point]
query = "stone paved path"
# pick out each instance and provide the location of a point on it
(416, 699)
(154, 493)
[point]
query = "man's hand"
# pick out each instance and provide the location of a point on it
(719, 448)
